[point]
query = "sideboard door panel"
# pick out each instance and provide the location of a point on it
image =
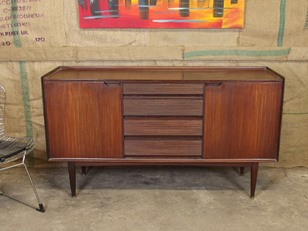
(242, 120)
(84, 119)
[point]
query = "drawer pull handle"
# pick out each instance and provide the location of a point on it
(218, 84)
(111, 84)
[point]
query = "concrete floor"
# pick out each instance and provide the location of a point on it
(157, 198)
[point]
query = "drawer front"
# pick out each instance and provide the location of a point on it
(192, 106)
(163, 89)
(162, 127)
(162, 148)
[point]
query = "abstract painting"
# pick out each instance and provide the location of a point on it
(161, 13)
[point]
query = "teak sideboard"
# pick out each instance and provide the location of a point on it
(226, 116)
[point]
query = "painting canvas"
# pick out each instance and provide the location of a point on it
(161, 13)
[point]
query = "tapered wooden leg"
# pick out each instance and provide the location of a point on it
(72, 176)
(242, 171)
(83, 170)
(253, 178)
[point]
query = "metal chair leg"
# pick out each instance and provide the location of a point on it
(41, 206)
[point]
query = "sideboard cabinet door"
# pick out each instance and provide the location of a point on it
(242, 120)
(83, 119)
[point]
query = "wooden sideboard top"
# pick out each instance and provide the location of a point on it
(164, 73)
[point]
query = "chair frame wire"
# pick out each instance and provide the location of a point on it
(13, 149)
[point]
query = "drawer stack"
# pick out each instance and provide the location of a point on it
(163, 120)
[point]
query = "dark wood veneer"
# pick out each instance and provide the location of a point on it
(75, 125)
(163, 106)
(245, 120)
(163, 126)
(162, 89)
(222, 116)
(163, 147)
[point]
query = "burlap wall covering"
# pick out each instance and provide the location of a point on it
(39, 35)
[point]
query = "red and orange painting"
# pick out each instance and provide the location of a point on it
(161, 13)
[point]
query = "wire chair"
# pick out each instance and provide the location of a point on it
(13, 149)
